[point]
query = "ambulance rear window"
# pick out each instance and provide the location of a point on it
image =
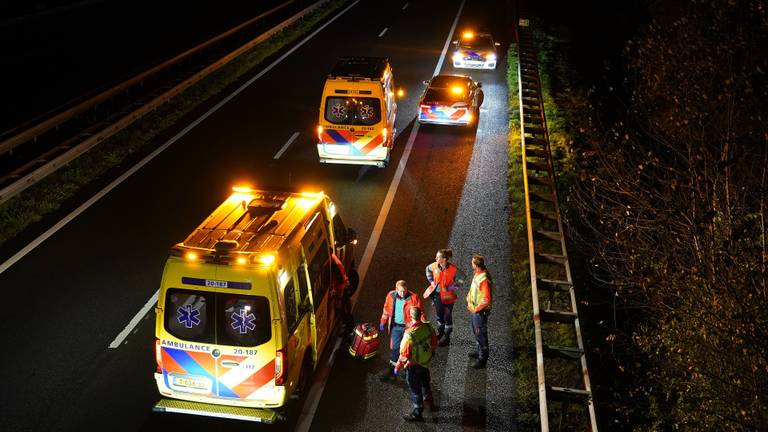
(217, 318)
(246, 320)
(352, 110)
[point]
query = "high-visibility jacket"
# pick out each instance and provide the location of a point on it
(479, 295)
(418, 346)
(444, 280)
(411, 300)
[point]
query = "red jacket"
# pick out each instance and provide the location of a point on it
(411, 300)
(446, 279)
(340, 283)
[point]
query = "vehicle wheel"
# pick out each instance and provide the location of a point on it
(304, 379)
(292, 409)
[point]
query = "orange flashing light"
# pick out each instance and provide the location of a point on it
(467, 35)
(191, 256)
(267, 259)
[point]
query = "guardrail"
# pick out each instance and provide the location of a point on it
(73, 150)
(556, 325)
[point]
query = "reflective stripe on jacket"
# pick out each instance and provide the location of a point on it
(411, 300)
(418, 345)
(445, 280)
(479, 295)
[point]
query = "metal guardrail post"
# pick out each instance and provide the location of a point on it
(40, 173)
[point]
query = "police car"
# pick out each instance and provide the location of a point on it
(451, 100)
(475, 51)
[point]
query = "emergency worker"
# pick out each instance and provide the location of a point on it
(395, 317)
(441, 275)
(341, 294)
(416, 353)
(479, 304)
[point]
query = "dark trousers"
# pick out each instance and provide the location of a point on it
(395, 337)
(418, 379)
(444, 314)
(480, 329)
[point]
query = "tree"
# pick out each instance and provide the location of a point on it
(673, 203)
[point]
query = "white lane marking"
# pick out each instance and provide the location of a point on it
(124, 334)
(405, 6)
(43, 237)
(316, 391)
(383, 31)
(448, 40)
(286, 145)
(373, 241)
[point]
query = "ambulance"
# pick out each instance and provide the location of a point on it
(357, 113)
(246, 305)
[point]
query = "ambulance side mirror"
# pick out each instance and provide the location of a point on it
(425, 82)
(455, 42)
(497, 44)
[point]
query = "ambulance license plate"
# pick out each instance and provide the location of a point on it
(337, 149)
(192, 383)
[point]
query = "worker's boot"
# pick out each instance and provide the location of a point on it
(414, 416)
(388, 374)
(446, 339)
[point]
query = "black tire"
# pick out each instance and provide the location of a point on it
(305, 379)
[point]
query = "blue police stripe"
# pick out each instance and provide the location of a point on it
(190, 365)
(216, 283)
(337, 136)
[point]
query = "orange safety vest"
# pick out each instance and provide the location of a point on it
(446, 279)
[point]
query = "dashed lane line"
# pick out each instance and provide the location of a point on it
(286, 145)
(316, 390)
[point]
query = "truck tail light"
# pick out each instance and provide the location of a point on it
(280, 366)
(158, 356)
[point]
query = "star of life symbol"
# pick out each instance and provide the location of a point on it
(366, 112)
(189, 316)
(243, 321)
(339, 111)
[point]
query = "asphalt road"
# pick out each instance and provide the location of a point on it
(74, 293)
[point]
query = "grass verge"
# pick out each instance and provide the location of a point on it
(50, 194)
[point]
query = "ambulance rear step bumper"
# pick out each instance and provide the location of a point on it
(372, 162)
(261, 415)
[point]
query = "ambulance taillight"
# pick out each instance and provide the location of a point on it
(280, 367)
(158, 356)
